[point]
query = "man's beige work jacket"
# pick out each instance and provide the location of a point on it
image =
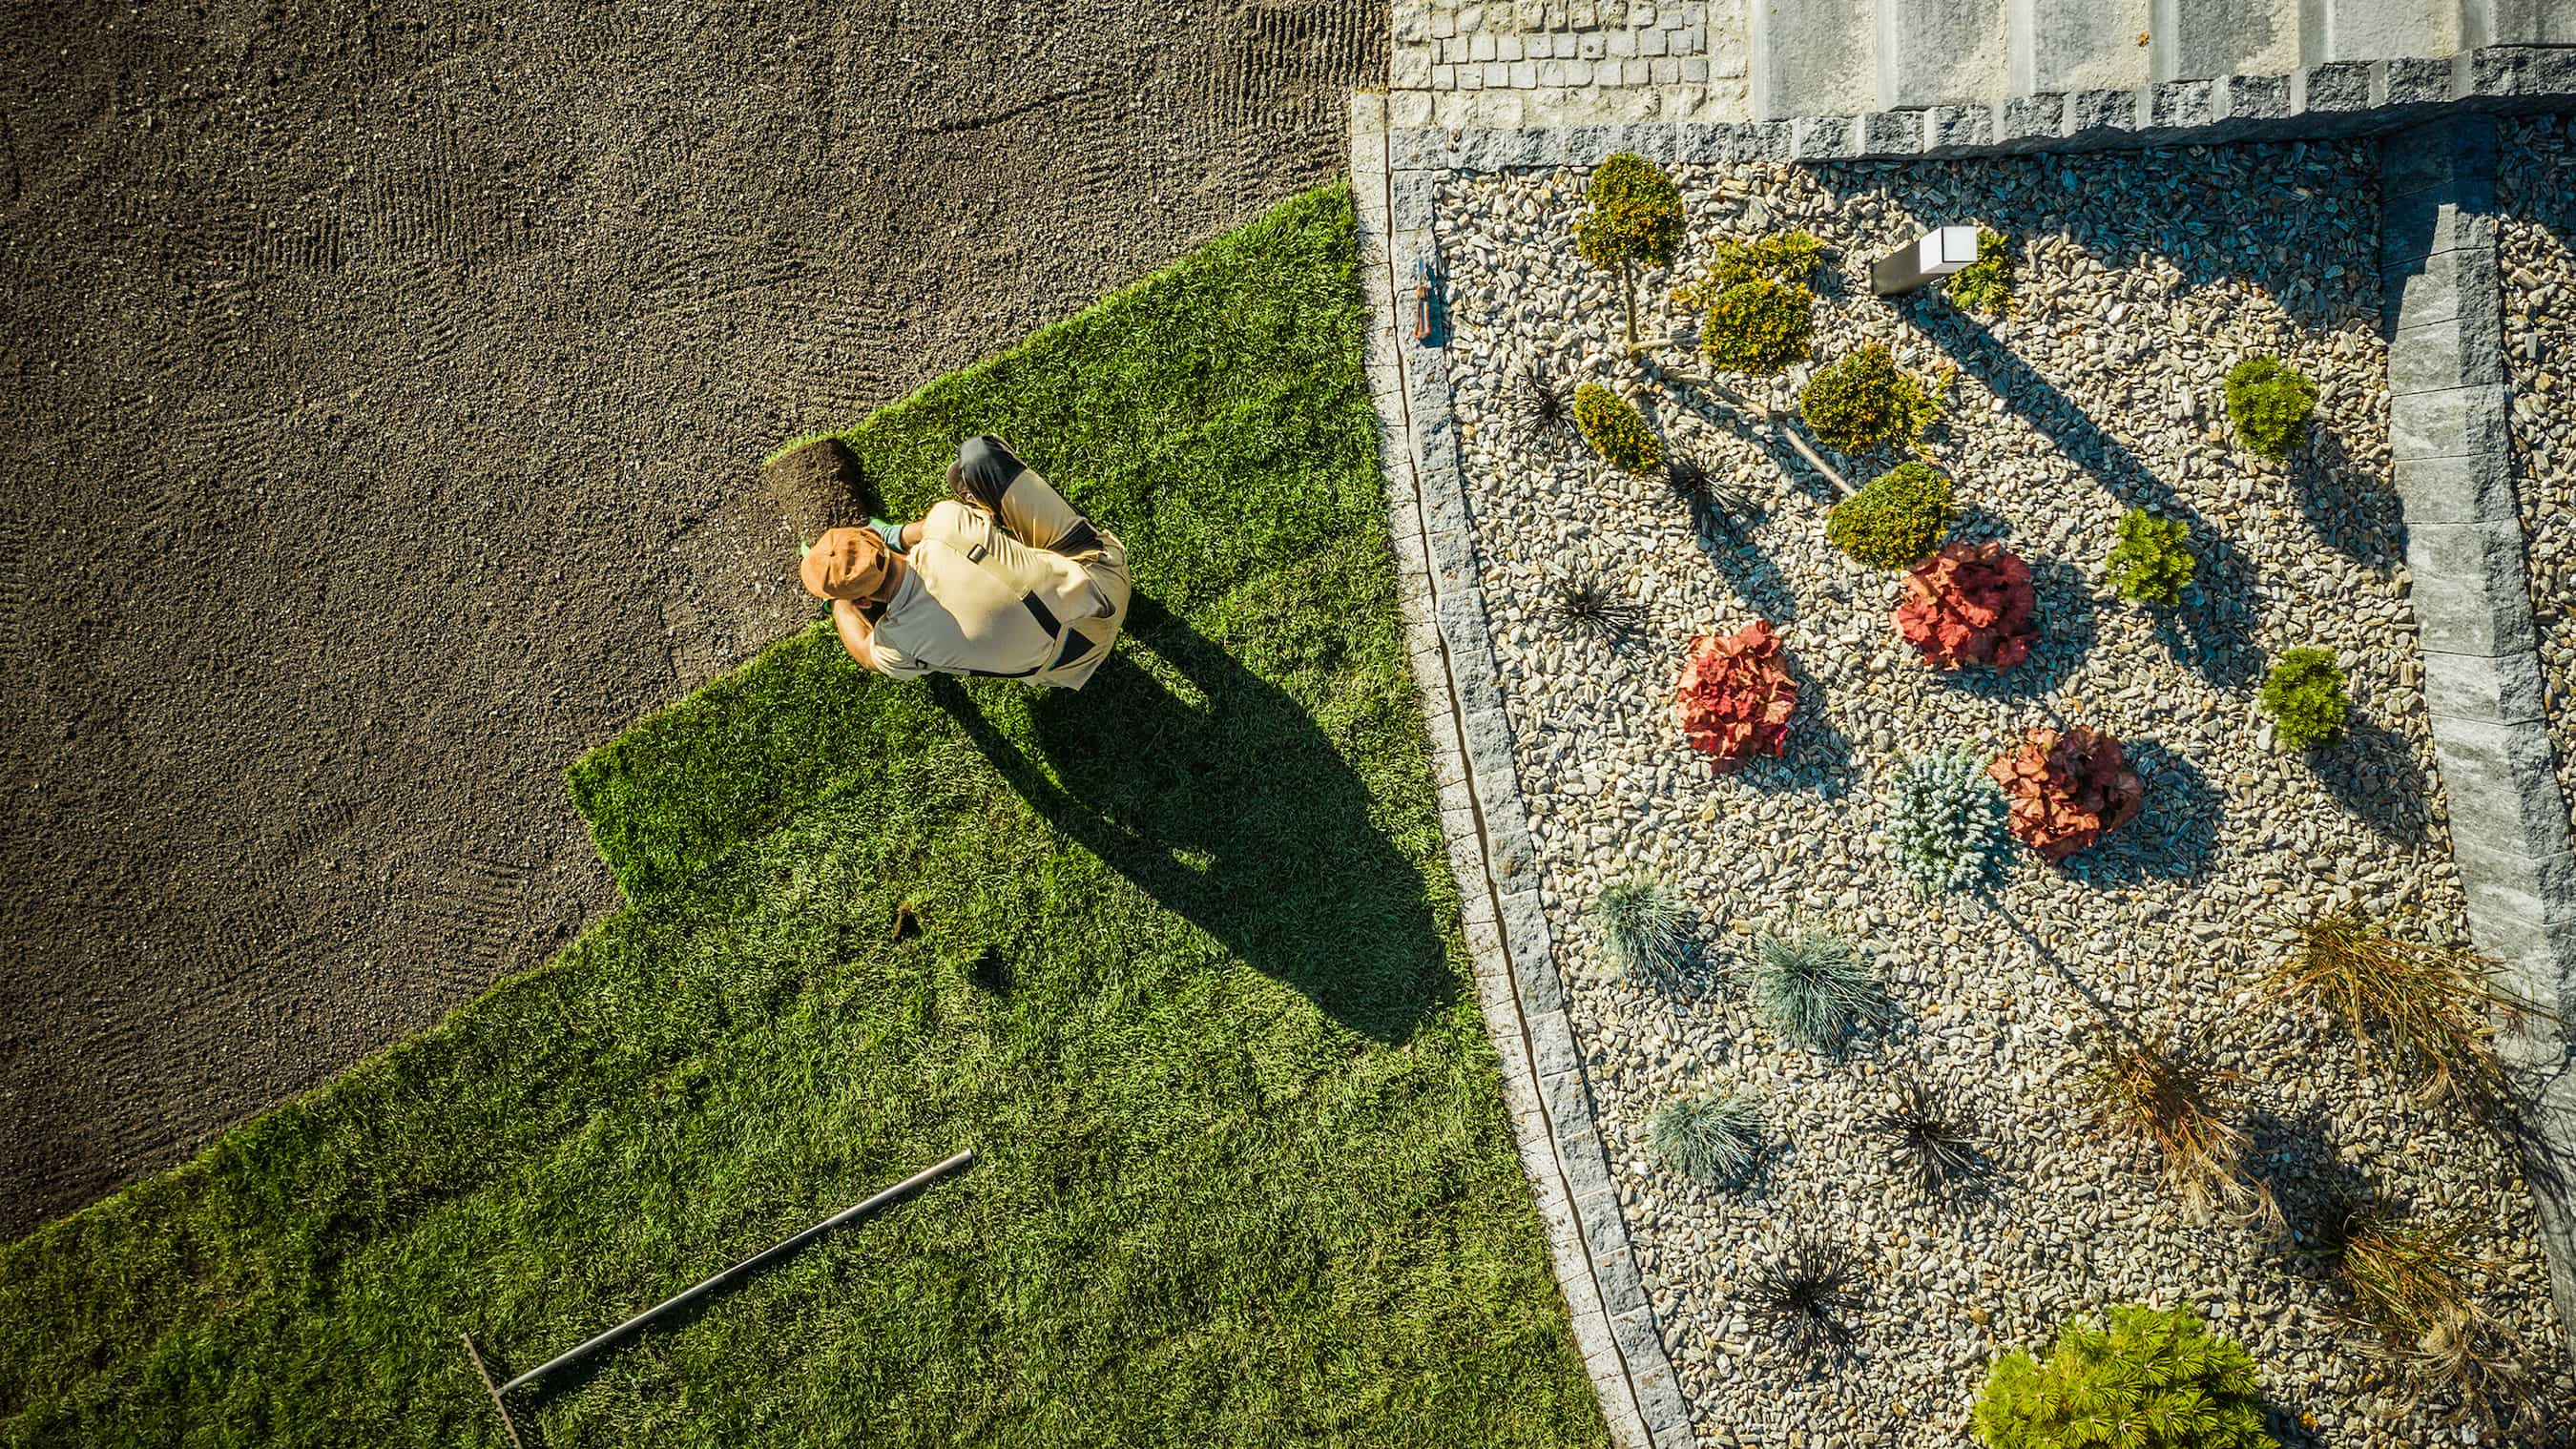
(977, 600)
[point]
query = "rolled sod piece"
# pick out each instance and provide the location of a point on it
(817, 487)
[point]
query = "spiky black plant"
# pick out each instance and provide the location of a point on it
(1713, 1137)
(1586, 607)
(1814, 987)
(1642, 929)
(1546, 405)
(1808, 1294)
(1931, 1141)
(1714, 507)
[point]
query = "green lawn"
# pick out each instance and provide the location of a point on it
(1189, 981)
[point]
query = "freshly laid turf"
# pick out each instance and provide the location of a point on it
(1188, 980)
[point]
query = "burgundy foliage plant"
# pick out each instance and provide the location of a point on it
(2067, 791)
(1736, 696)
(1970, 603)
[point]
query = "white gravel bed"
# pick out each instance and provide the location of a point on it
(2142, 277)
(2536, 176)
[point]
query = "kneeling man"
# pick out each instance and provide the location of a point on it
(1006, 581)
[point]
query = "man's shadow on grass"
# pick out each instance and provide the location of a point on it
(1235, 812)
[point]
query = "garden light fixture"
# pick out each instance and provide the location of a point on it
(1936, 253)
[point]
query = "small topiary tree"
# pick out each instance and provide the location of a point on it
(2270, 402)
(2151, 564)
(1616, 430)
(2155, 1379)
(1866, 401)
(1736, 696)
(1945, 823)
(1895, 518)
(2304, 696)
(2067, 791)
(1760, 327)
(1714, 1137)
(1971, 603)
(1758, 311)
(1636, 220)
(1983, 287)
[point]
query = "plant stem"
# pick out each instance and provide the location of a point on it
(1628, 289)
(1778, 421)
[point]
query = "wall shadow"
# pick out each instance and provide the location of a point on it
(1238, 815)
(2374, 774)
(2175, 833)
(2360, 523)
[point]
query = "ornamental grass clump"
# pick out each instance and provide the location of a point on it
(2151, 563)
(1895, 518)
(1945, 823)
(1815, 987)
(1735, 697)
(1643, 929)
(1544, 404)
(1971, 603)
(1808, 1293)
(2066, 791)
(1586, 608)
(2270, 403)
(1983, 288)
(1714, 507)
(1616, 430)
(1715, 1137)
(2424, 1008)
(2170, 1105)
(1866, 401)
(1636, 221)
(1932, 1142)
(2305, 697)
(2154, 1379)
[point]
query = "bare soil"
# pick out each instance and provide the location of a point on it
(386, 398)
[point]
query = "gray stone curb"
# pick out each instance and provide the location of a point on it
(2336, 98)
(1482, 816)
(2448, 402)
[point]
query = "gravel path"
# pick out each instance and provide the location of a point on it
(2536, 179)
(2143, 277)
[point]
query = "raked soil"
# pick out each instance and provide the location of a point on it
(385, 399)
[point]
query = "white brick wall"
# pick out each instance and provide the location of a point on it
(1566, 62)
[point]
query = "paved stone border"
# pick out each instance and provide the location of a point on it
(1486, 824)
(2339, 98)
(2449, 402)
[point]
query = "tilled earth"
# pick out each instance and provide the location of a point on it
(386, 393)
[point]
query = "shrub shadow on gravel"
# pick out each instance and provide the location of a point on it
(2213, 630)
(2374, 774)
(1749, 571)
(1819, 755)
(2360, 522)
(2068, 627)
(2175, 833)
(2309, 1179)
(1239, 815)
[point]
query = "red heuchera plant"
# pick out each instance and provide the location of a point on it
(2067, 791)
(1971, 603)
(1736, 697)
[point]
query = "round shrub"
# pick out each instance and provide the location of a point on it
(1815, 987)
(2155, 1379)
(1714, 1137)
(1636, 215)
(1945, 823)
(2151, 563)
(1983, 288)
(1971, 603)
(1642, 929)
(1616, 430)
(2064, 792)
(1760, 326)
(2304, 696)
(2270, 402)
(1865, 401)
(1789, 258)
(1895, 518)
(1735, 697)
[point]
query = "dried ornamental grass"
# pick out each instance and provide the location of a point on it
(1932, 1142)
(2136, 1093)
(2424, 1007)
(1714, 506)
(1545, 405)
(1585, 607)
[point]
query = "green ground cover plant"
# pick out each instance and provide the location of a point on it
(2305, 697)
(2151, 563)
(1983, 288)
(2270, 402)
(1187, 977)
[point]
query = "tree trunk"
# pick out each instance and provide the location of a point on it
(1628, 289)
